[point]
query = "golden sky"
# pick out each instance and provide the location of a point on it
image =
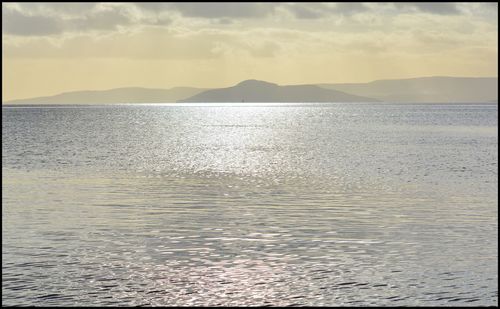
(49, 48)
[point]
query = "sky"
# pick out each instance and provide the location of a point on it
(50, 48)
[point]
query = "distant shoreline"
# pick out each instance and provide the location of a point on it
(236, 104)
(428, 90)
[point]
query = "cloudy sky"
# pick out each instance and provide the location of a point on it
(49, 48)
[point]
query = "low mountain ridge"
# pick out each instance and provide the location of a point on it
(436, 89)
(261, 91)
(117, 95)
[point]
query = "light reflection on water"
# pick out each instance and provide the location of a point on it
(323, 205)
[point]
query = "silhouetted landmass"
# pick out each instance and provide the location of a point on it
(426, 89)
(118, 95)
(418, 90)
(260, 91)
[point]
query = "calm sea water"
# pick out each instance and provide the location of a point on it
(257, 204)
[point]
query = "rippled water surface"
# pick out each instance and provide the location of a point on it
(259, 204)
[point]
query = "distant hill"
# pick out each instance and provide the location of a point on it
(425, 89)
(418, 90)
(118, 95)
(260, 91)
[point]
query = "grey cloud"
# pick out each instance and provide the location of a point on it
(443, 8)
(349, 8)
(213, 9)
(321, 10)
(37, 19)
(437, 8)
(225, 21)
(102, 20)
(69, 8)
(152, 6)
(236, 10)
(16, 23)
(307, 11)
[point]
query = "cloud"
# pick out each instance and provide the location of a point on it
(16, 23)
(45, 19)
(349, 8)
(217, 9)
(306, 10)
(263, 30)
(109, 19)
(323, 10)
(51, 9)
(151, 43)
(441, 8)
(49, 19)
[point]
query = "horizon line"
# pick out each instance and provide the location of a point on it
(210, 88)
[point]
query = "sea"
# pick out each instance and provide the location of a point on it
(331, 204)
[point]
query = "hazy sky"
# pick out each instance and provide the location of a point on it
(48, 48)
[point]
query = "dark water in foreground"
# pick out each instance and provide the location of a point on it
(265, 204)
